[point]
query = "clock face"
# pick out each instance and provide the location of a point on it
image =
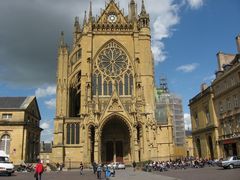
(112, 18)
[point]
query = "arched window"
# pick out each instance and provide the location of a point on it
(99, 85)
(73, 133)
(68, 133)
(110, 88)
(131, 84)
(120, 88)
(77, 133)
(5, 143)
(126, 84)
(105, 88)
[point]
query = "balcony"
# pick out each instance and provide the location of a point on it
(230, 136)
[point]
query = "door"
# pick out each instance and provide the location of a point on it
(109, 151)
(119, 151)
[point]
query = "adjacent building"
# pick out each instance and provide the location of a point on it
(19, 128)
(105, 104)
(226, 89)
(204, 124)
(215, 111)
(169, 112)
(45, 151)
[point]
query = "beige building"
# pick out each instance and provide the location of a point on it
(215, 111)
(226, 88)
(189, 145)
(105, 92)
(204, 124)
(19, 128)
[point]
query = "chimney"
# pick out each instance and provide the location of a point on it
(203, 87)
(220, 59)
(238, 43)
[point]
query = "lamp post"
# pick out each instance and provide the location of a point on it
(69, 163)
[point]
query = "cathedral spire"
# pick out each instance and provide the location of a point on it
(85, 18)
(76, 25)
(132, 10)
(62, 42)
(143, 9)
(90, 12)
(144, 19)
(76, 30)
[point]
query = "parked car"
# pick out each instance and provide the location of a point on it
(6, 167)
(116, 165)
(230, 162)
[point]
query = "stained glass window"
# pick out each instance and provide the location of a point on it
(120, 88)
(77, 133)
(131, 84)
(112, 60)
(99, 85)
(126, 84)
(110, 88)
(72, 133)
(105, 88)
(68, 133)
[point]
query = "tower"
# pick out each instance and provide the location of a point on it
(105, 92)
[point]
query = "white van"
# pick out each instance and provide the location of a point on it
(6, 167)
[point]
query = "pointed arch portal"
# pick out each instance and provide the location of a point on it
(115, 141)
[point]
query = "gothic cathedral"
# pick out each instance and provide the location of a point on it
(105, 105)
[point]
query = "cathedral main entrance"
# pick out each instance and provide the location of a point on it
(115, 141)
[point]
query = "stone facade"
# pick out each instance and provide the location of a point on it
(222, 99)
(226, 88)
(105, 92)
(204, 124)
(19, 128)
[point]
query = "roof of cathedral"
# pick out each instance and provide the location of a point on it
(15, 102)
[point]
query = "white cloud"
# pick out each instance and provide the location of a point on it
(195, 4)
(51, 104)
(47, 135)
(48, 91)
(187, 67)
(45, 125)
(167, 18)
(187, 120)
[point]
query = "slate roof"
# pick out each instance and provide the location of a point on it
(12, 102)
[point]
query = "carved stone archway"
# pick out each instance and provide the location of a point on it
(115, 140)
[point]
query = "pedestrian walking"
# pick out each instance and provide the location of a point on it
(99, 171)
(94, 167)
(107, 173)
(38, 170)
(81, 168)
(134, 165)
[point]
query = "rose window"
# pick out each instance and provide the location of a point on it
(112, 61)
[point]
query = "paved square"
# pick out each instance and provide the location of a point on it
(213, 173)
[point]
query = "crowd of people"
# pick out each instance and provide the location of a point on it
(178, 164)
(103, 170)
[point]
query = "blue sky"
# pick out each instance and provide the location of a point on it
(186, 35)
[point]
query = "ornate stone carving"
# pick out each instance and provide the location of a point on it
(115, 106)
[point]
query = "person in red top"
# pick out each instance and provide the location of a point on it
(38, 170)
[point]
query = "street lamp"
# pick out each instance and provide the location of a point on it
(69, 163)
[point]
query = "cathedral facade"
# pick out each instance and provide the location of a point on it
(105, 104)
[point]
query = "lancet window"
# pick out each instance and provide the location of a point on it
(73, 133)
(75, 95)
